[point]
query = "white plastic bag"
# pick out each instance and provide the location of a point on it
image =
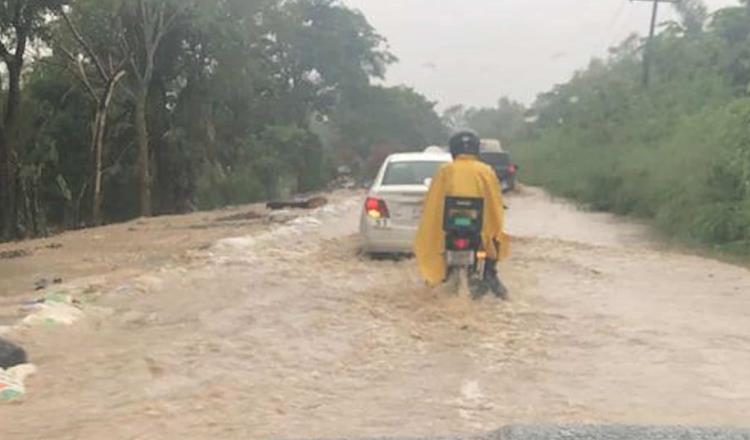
(12, 382)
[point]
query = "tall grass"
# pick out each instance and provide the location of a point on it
(691, 176)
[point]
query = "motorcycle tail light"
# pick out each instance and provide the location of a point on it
(461, 243)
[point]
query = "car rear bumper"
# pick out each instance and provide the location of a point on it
(387, 240)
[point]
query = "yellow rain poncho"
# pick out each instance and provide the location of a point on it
(464, 177)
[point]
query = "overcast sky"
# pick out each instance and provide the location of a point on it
(474, 51)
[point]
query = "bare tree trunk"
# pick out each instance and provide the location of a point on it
(77, 221)
(109, 74)
(141, 133)
(100, 131)
(7, 189)
(152, 22)
(98, 144)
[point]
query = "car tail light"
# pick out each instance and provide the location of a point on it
(376, 208)
(461, 243)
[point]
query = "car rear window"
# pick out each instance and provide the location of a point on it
(410, 173)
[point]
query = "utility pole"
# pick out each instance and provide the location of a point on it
(649, 50)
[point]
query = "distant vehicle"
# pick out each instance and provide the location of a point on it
(491, 146)
(493, 154)
(504, 167)
(393, 207)
(435, 149)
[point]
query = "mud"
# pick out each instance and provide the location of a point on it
(287, 332)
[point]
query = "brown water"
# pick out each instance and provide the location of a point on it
(289, 333)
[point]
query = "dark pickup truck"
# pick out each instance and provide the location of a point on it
(503, 165)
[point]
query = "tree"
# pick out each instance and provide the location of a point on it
(323, 51)
(147, 23)
(67, 123)
(676, 153)
(217, 102)
(454, 117)
(693, 15)
(99, 65)
(386, 119)
(505, 122)
(21, 21)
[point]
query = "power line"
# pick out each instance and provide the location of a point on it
(613, 28)
(617, 14)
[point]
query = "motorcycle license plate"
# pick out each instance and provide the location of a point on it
(460, 258)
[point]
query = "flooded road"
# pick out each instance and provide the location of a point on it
(290, 333)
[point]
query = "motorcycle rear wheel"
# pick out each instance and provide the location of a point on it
(454, 285)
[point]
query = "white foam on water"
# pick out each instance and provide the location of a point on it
(53, 313)
(250, 250)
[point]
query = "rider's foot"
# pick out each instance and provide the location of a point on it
(497, 287)
(478, 288)
(492, 280)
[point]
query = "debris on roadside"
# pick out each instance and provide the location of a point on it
(344, 179)
(281, 216)
(342, 182)
(50, 246)
(17, 253)
(11, 354)
(43, 283)
(308, 203)
(243, 216)
(12, 381)
(53, 309)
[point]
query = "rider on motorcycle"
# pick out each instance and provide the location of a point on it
(466, 176)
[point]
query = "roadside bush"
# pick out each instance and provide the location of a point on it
(218, 187)
(692, 180)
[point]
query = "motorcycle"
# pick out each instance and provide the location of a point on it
(465, 260)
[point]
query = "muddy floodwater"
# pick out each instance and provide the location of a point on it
(287, 332)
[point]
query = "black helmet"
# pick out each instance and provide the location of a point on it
(465, 142)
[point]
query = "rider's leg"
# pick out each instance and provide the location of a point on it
(492, 278)
(477, 286)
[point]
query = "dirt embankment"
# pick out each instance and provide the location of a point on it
(115, 253)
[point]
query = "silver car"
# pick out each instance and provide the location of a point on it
(394, 203)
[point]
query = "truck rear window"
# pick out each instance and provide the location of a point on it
(496, 160)
(410, 173)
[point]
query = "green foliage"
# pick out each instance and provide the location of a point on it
(378, 119)
(677, 152)
(217, 187)
(246, 100)
(505, 122)
(31, 14)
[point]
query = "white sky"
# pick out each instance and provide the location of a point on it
(475, 51)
